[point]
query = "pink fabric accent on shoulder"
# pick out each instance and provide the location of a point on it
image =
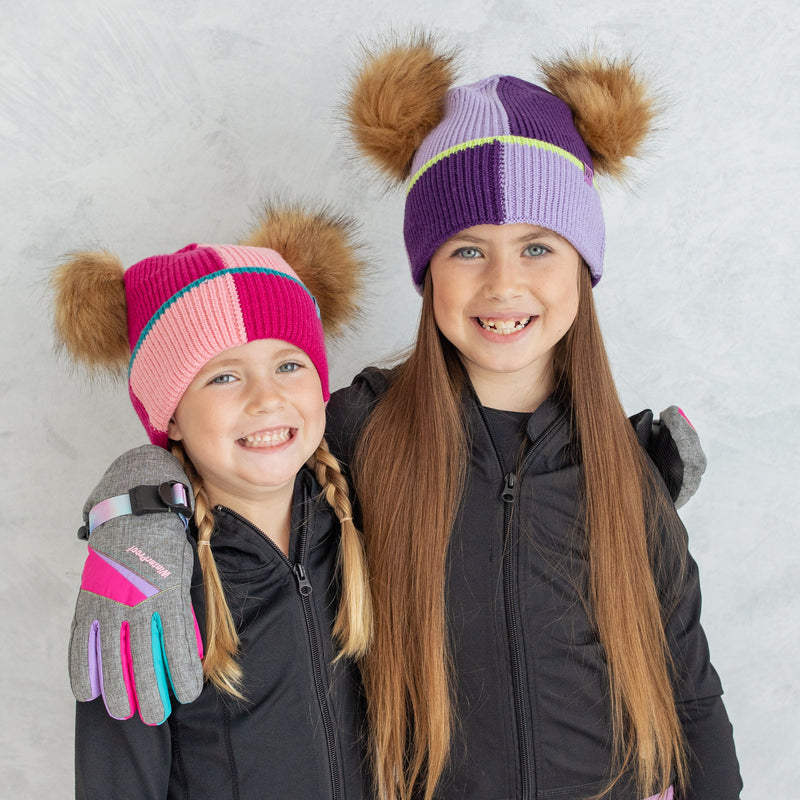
(235, 256)
(177, 346)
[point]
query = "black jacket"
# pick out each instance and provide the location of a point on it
(297, 736)
(531, 715)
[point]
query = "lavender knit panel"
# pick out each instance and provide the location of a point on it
(543, 188)
(471, 112)
(455, 193)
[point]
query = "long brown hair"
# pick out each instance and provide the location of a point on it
(353, 625)
(408, 473)
(408, 470)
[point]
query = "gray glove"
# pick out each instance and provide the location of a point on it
(134, 633)
(674, 446)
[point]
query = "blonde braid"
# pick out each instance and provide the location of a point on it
(353, 627)
(222, 638)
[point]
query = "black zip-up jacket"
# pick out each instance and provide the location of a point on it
(298, 733)
(531, 714)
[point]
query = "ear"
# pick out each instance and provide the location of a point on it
(174, 431)
(90, 310)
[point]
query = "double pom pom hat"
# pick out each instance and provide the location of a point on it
(501, 150)
(164, 318)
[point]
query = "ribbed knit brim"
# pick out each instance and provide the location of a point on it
(185, 308)
(506, 151)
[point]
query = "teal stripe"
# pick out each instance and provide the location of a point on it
(161, 664)
(211, 276)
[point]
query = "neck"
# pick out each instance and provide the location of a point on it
(512, 391)
(271, 514)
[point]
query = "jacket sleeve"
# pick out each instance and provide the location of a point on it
(120, 758)
(348, 411)
(713, 766)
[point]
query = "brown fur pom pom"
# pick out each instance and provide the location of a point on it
(90, 311)
(397, 98)
(321, 247)
(612, 106)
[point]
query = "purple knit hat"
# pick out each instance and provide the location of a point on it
(505, 151)
(186, 307)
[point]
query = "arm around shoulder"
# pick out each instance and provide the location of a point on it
(349, 409)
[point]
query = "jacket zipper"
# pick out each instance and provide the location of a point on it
(509, 497)
(527, 765)
(305, 589)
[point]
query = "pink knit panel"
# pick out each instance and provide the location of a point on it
(277, 307)
(179, 345)
(151, 282)
(236, 256)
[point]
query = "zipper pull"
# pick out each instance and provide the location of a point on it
(303, 584)
(509, 494)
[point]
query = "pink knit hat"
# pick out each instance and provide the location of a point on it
(168, 315)
(185, 308)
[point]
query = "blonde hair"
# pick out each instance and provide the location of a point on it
(353, 626)
(407, 672)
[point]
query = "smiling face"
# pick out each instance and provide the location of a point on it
(504, 296)
(249, 420)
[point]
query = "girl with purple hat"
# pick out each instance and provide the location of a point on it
(537, 630)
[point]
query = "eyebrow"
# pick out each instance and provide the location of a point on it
(538, 233)
(290, 351)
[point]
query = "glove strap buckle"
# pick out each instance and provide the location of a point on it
(170, 496)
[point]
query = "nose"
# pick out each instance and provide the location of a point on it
(503, 277)
(264, 397)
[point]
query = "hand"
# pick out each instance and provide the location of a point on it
(134, 632)
(674, 447)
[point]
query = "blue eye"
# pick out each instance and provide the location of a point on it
(467, 252)
(536, 250)
(290, 366)
(223, 379)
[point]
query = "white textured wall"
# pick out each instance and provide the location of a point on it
(142, 126)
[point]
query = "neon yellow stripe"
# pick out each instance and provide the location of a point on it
(489, 140)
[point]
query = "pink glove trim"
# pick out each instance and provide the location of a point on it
(197, 636)
(127, 667)
(108, 578)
